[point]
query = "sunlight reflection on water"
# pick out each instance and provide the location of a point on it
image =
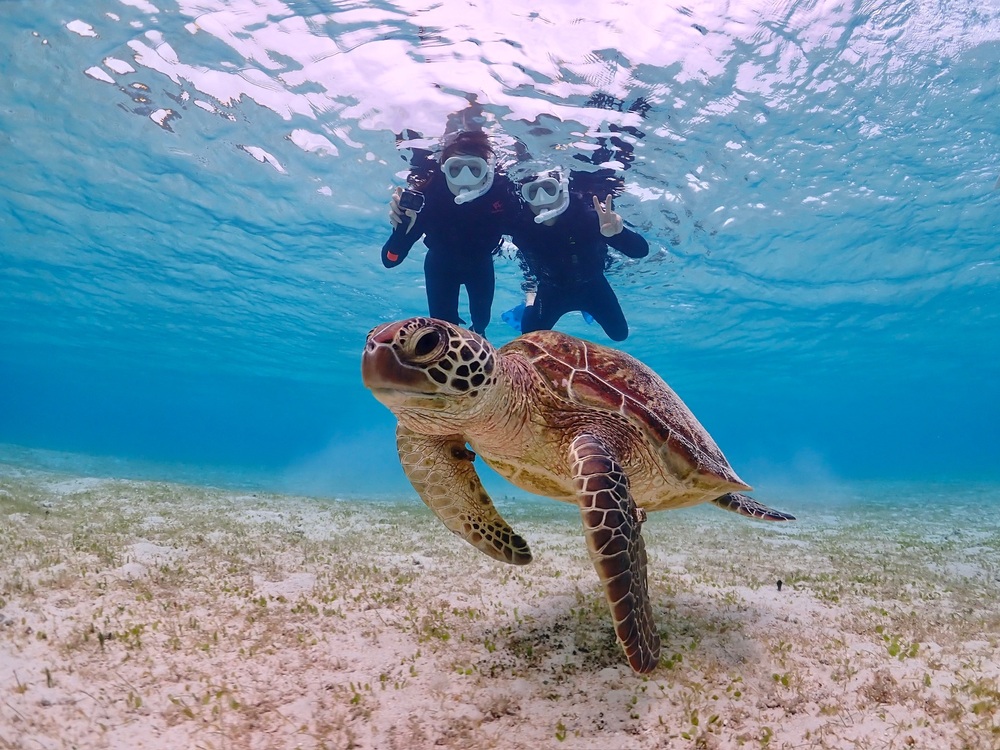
(201, 188)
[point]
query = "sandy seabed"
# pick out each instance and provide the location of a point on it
(152, 615)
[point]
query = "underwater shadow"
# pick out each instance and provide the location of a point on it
(557, 640)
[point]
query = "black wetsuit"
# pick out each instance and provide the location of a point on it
(568, 260)
(460, 242)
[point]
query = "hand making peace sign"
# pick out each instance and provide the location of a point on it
(611, 223)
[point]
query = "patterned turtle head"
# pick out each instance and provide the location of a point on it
(427, 364)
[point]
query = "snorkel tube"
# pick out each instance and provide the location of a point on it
(468, 176)
(470, 194)
(559, 207)
(560, 202)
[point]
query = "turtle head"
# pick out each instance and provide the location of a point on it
(426, 363)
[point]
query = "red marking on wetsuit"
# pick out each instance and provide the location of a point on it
(497, 207)
(391, 256)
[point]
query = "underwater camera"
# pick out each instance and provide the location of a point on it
(411, 200)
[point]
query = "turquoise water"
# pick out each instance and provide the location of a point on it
(194, 196)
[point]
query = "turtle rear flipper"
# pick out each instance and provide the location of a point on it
(612, 524)
(441, 471)
(745, 505)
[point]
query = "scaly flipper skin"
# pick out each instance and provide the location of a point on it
(612, 525)
(441, 471)
(745, 505)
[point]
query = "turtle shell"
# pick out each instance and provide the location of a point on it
(599, 377)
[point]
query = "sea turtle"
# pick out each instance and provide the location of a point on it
(556, 416)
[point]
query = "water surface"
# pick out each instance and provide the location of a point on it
(194, 197)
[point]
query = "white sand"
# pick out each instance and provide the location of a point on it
(142, 615)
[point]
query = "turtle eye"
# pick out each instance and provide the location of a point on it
(427, 344)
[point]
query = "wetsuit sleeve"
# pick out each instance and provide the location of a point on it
(508, 194)
(629, 243)
(396, 248)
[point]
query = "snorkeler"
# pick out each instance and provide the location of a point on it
(461, 208)
(564, 240)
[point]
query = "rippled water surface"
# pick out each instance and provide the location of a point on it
(194, 196)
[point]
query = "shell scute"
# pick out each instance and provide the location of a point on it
(585, 388)
(598, 377)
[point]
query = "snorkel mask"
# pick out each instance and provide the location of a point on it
(468, 177)
(550, 194)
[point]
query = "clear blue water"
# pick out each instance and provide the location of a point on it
(194, 196)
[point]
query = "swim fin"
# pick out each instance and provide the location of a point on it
(513, 317)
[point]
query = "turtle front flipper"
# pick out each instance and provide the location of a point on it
(745, 505)
(441, 471)
(612, 524)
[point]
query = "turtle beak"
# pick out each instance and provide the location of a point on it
(381, 368)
